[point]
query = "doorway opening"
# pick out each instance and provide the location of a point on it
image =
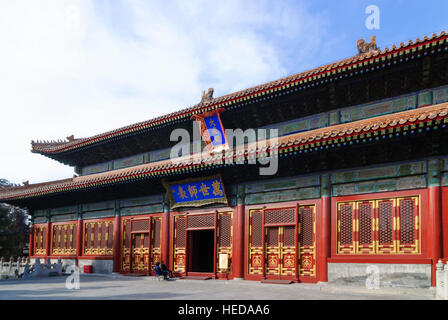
(201, 250)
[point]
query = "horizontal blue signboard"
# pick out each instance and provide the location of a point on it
(194, 191)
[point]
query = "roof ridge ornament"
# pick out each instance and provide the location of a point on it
(71, 138)
(366, 47)
(207, 97)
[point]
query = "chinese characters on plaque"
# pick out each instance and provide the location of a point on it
(212, 130)
(196, 192)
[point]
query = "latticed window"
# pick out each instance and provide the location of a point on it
(278, 216)
(201, 221)
(345, 228)
(40, 239)
(64, 239)
(98, 237)
(141, 225)
(384, 226)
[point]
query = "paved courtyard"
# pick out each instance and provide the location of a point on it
(121, 287)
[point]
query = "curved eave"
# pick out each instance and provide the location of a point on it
(371, 129)
(288, 84)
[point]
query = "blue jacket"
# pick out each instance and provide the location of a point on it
(158, 270)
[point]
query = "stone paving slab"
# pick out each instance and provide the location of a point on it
(106, 287)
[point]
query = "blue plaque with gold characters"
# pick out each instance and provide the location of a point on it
(212, 130)
(215, 130)
(196, 192)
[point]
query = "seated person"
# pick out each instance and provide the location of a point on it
(158, 270)
(166, 271)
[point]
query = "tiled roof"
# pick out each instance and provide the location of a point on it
(299, 79)
(382, 125)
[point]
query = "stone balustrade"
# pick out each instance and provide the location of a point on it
(12, 268)
(23, 268)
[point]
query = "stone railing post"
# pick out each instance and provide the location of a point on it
(440, 279)
(11, 261)
(445, 279)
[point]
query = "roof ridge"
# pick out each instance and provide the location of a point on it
(49, 148)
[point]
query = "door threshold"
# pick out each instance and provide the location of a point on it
(196, 278)
(274, 281)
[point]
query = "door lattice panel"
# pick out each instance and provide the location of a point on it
(256, 225)
(280, 257)
(288, 251)
(179, 243)
(155, 242)
(126, 246)
(255, 242)
(140, 252)
(156, 224)
(289, 236)
(307, 241)
(385, 226)
(225, 232)
(272, 235)
(273, 250)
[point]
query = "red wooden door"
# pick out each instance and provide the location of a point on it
(140, 253)
(280, 252)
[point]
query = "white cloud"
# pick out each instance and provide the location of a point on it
(85, 67)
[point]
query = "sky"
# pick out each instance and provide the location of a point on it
(85, 67)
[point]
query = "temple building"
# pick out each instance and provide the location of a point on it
(362, 180)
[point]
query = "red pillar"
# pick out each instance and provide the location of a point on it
(31, 240)
(48, 252)
(435, 223)
(324, 232)
(444, 208)
(116, 243)
(79, 233)
(165, 241)
(434, 216)
(238, 243)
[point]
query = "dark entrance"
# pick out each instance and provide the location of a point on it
(201, 250)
